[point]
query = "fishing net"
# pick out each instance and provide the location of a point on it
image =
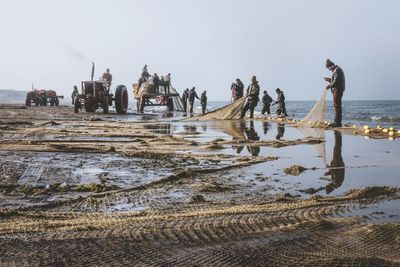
(228, 112)
(314, 119)
(178, 105)
(317, 116)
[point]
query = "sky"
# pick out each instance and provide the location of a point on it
(204, 43)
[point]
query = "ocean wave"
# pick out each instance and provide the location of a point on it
(382, 118)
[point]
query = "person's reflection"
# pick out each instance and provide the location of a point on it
(281, 131)
(252, 135)
(266, 127)
(337, 167)
(204, 128)
(190, 129)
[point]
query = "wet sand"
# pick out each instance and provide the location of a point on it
(99, 190)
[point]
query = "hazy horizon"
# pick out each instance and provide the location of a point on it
(204, 43)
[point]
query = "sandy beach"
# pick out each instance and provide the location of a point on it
(95, 190)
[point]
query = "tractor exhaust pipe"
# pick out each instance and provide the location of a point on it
(91, 77)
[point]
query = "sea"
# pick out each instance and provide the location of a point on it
(373, 113)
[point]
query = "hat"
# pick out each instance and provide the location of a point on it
(329, 63)
(265, 91)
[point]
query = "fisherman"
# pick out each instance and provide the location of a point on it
(167, 83)
(145, 73)
(184, 98)
(281, 111)
(337, 86)
(74, 94)
(253, 90)
(237, 89)
(266, 100)
(108, 78)
(156, 81)
(192, 96)
(203, 101)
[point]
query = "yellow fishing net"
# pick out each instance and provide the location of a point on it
(228, 112)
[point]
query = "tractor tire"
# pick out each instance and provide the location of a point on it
(28, 101)
(121, 99)
(105, 105)
(37, 102)
(170, 104)
(77, 105)
(52, 102)
(44, 101)
(56, 102)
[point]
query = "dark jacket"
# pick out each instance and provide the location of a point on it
(266, 99)
(337, 82)
(253, 90)
(281, 98)
(156, 80)
(203, 99)
(239, 89)
(185, 95)
(192, 96)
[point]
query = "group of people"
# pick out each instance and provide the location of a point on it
(189, 96)
(164, 81)
(336, 85)
(252, 94)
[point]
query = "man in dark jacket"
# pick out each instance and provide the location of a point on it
(203, 101)
(337, 86)
(185, 96)
(281, 111)
(74, 94)
(266, 100)
(192, 96)
(253, 90)
(156, 81)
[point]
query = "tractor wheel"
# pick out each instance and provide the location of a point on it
(52, 102)
(28, 101)
(44, 101)
(105, 105)
(170, 104)
(121, 99)
(57, 102)
(77, 105)
(37, 102)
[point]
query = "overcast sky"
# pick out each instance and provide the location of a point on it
(204, 43)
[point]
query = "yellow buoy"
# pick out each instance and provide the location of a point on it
(385, 130)
(354, 126)
(398, 132)
(391, 129)
(378, 127)
(367, 131)
(391, 138)
(391, 133)
(366, 127)
(367, 137)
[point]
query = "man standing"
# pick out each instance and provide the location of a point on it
(108, 78)
(192, 96)
(145, 73)
(266, 100)
(185, 96)
(74, 94)
(156, 81)
(337, 86)
(237, 90)
(253, 90)
(167, 83)
(281, 111)
(203, 101)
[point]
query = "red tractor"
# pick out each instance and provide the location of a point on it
(42, 98)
